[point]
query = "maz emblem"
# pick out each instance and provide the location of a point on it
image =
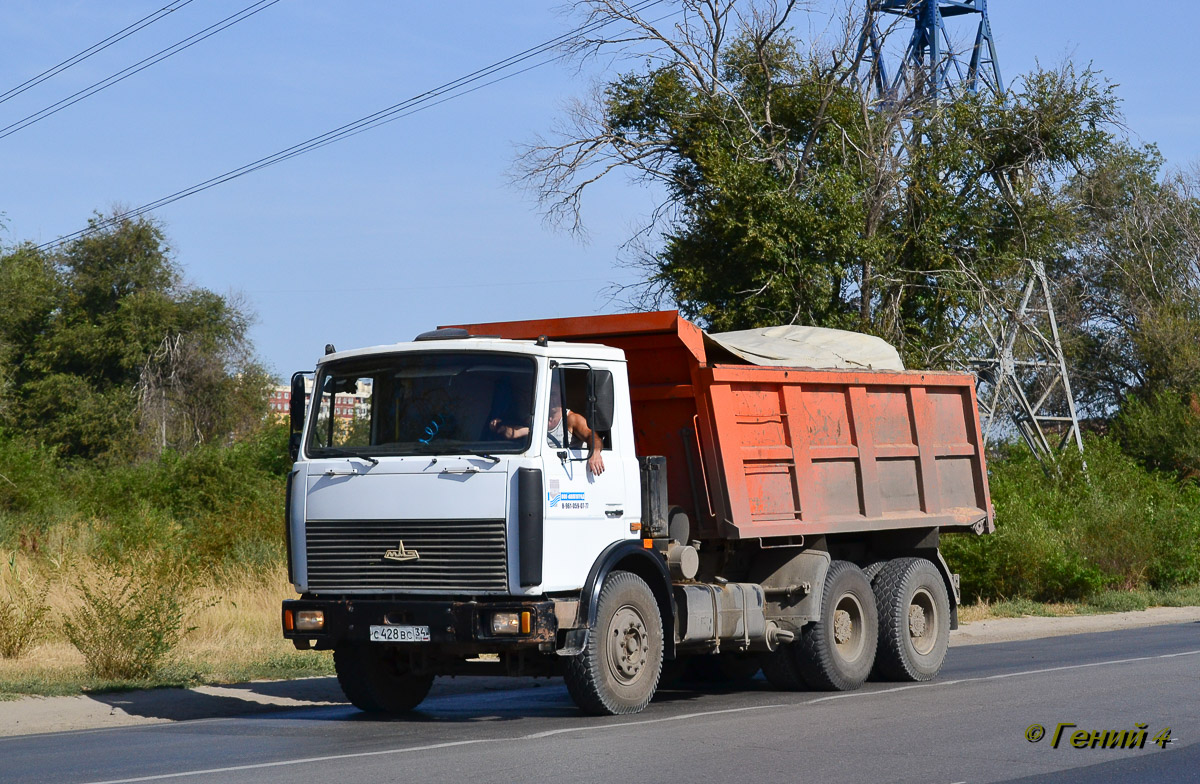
(400, 554)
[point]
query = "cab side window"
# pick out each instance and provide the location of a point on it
(574, 383)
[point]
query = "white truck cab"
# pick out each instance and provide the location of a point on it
(424, 467)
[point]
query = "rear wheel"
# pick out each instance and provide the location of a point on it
(914, 620)
(374, 680)
(835, 652)
(618, 669)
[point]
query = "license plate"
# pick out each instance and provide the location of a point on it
(399, 634)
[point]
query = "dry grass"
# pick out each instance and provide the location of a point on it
(240, 633)
(984, 610)
(237, 635)
(1103, 602)
(236, 638)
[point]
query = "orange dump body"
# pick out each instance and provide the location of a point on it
(758, 451)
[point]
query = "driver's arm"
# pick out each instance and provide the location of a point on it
(510, 432)
(579, 426)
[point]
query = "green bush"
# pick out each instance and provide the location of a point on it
(1163, 432)
(1120, 601)
(31, 496)
(1072, 535)
(129, 619)
(217, 505)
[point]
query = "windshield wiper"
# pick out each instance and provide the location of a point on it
(335, 452)
(438, 449)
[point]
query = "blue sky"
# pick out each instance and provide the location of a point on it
(415, 224)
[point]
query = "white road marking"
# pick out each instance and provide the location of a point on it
(305, 761)
(593, 728)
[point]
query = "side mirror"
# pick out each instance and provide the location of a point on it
(296, 414)
(601, 401)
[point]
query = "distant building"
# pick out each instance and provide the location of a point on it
(345, 406)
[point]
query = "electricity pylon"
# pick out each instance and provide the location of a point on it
(1024, 381)
(930, 65)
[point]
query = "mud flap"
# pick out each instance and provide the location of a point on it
(574, 642)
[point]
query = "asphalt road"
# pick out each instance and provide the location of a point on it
(968, 726)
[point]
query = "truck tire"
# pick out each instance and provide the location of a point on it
(914, 620)
(836, 652)
(375, 681)
(872, 569)
(618, 670)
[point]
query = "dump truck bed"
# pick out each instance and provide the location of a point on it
(782, 452)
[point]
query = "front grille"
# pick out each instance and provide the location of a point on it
(455, 555)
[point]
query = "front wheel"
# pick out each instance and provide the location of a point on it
(374, 680)
(618, 670)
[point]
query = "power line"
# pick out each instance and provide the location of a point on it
(419, 102)
(75, 59)
(431, 286)
(137, 67)
(429, 104)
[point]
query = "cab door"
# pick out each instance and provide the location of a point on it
(584, 512)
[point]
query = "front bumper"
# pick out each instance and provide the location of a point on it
(449, 622)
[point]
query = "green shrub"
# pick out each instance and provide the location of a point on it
(217, 505)
(1072, 535)
(31, 492)
(129, 619)
(1163, 432)
(1120, 601)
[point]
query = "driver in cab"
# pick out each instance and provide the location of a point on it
(559, 430)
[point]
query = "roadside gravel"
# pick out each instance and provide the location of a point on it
(32, 715)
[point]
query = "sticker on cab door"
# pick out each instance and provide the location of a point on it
(565, 500)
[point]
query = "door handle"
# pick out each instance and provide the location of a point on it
(613, 512)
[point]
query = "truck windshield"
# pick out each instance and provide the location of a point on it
(422, 404)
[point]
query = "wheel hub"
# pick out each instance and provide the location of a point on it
(849, 639)
(843, 626)
(916, 621)
(630, 643)
(923, 622)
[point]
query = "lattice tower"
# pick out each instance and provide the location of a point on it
(931, 64)
(1023, 381)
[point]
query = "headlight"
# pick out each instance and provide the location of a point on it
(506, 623)
(514, 622)
(310, 620)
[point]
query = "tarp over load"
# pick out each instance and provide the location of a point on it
(806, 347)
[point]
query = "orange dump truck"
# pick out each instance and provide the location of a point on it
(605, 498)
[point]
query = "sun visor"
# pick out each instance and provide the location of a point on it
(799, 346)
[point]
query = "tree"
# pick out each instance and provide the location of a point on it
(31, 293)
(1133, 279)
(83, 339)
(1131, 285)
(792, 197)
